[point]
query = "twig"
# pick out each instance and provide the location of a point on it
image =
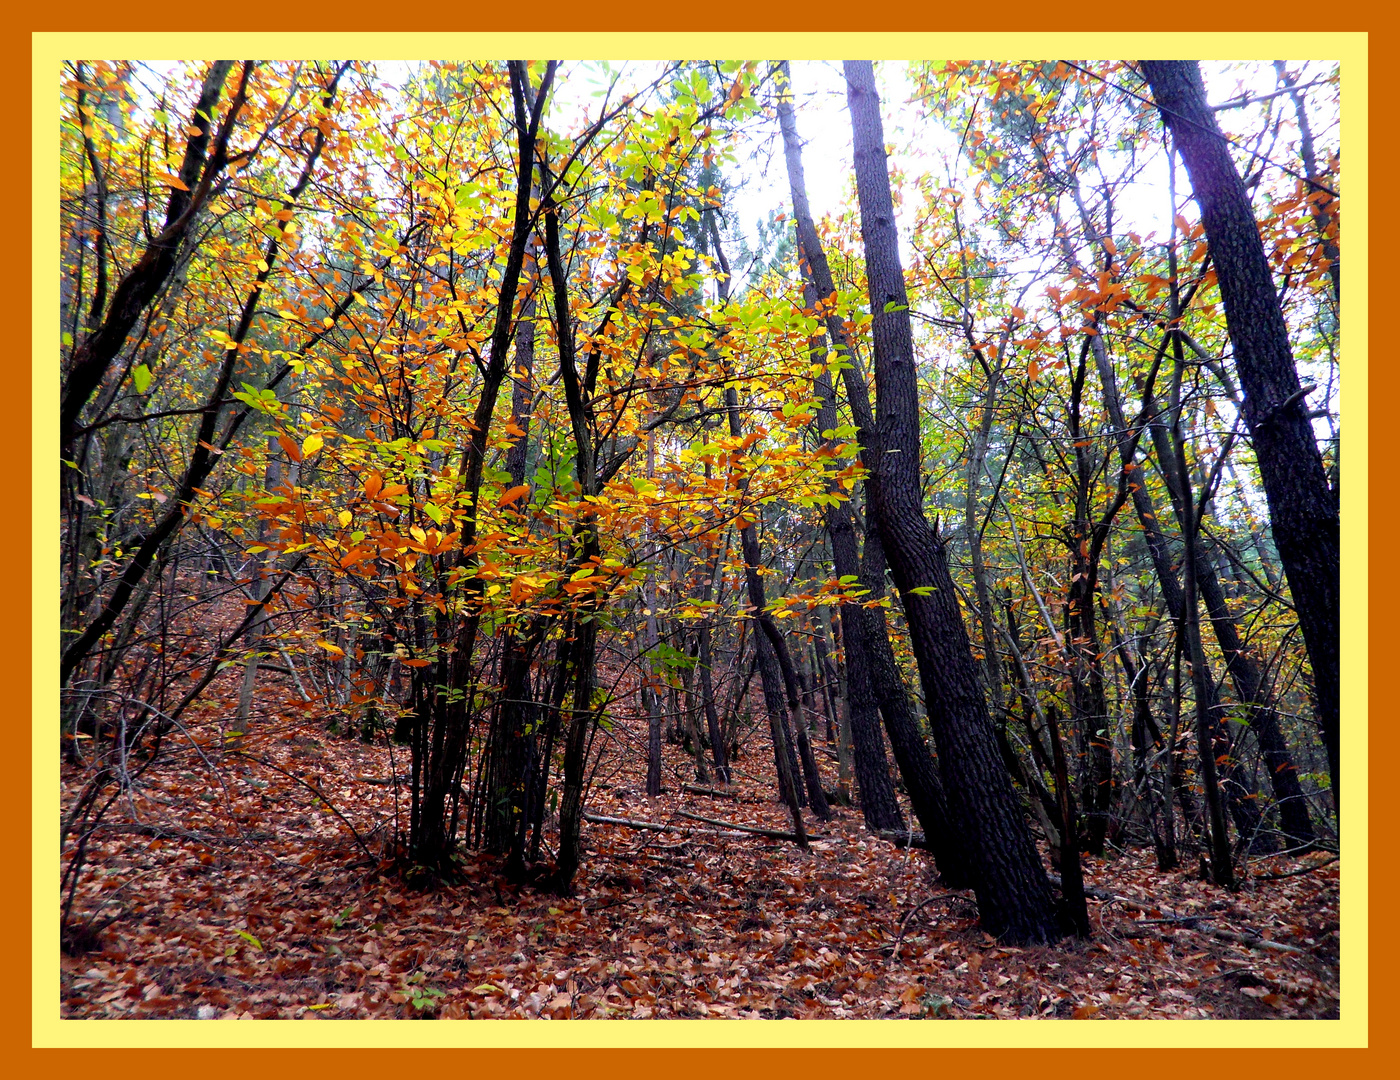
(716, 792)
(904, 924)
(1295, 873)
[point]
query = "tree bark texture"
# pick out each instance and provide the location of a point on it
(1013, 892)
(863, 629)
(1303, 509)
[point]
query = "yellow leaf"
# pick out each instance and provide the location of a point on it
(344, 517)
(334, 650)
(311, 444)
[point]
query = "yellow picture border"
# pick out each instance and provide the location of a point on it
(48, 1030)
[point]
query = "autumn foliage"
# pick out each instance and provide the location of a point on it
(453, 408)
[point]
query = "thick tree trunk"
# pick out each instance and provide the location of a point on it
(864, 630)
(1013, 892)
(1302, 507)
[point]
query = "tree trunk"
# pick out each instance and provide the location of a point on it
(1013, 893)
(1302, 507)
(863, 630)
(706, 676)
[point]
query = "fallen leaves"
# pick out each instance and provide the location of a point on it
(243, 895)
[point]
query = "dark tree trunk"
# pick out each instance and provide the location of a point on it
(1071, 874)
(863, 630)
(506, 753)
(878, 803)
(1013, 893)
(522, 390)
(139, 286)
(653, 739)
(546, 757)
(707, 696)
(1302, 507)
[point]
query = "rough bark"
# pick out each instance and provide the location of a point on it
(1303, 509)
(1013, 893)
(864, 629)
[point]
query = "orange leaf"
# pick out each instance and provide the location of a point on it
(513, 494)
(414, 663)
(290, 446)
(373, 483)
(351, 557)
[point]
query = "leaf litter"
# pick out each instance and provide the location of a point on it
(235, 889)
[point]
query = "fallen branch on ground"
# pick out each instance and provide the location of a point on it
(716, 792)
(1295, 873)
(775, 834)
(1200, 924)
(651, 826)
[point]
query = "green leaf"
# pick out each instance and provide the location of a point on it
(250, 939)
(892, 306)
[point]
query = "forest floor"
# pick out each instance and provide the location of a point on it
(241, 892)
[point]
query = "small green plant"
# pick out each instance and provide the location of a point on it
(425, 999)
(422, 997)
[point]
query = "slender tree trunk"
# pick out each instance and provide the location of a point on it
(718, 750)
(1322, 220)
(262, 568)
(782, 659)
